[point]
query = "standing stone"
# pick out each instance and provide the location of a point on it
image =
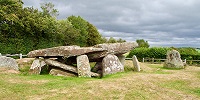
(136, 63)
(83, 66)
(37, 66)
(111, 65)
(121, 59)
(8, 62)
(173, 60)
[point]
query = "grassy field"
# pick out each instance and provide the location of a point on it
(152, 83)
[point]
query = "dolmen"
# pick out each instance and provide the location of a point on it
(75, 60)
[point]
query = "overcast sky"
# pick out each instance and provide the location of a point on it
(160, 22)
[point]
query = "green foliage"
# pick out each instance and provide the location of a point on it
(26, 29)
(154, 52)
(48, 9)
(111, 40)
(160, 53)
(93, 35)
(142, 43)
(81, 25)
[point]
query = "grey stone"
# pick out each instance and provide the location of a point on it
(83, 66)
(37, 66)
(111, 65)
(117, 48)
(111, 48)
(59, 72)
(63, 51)
(8, 62)
(136, 63)
(61, 65)
(173, 60)
(121, 59)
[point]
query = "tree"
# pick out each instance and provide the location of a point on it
(81, 26)
(68, 35)
(121, 40)
(48, 9)
(142, 43)
(93, 35)
(111, 40)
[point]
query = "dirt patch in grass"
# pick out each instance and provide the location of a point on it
(8, 71)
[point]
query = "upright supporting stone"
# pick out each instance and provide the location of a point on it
(37, 66)
(0, 54)
(83, 66)
(111, 65)
(136, 63)
(121, 59)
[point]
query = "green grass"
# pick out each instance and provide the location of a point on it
(123, 85)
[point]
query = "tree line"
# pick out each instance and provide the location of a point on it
(23, 29)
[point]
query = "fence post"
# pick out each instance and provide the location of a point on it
(152, 60)
(143, 60)
(20, 56)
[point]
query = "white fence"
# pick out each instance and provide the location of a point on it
(14, 55)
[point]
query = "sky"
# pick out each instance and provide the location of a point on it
(163, 23)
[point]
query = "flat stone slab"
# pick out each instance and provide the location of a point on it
(61, 65)
(58, 72)
(63, 51)
(117, 48)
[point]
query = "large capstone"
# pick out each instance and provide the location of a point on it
(83, 66)
(173, 60)
(111, 65)
(117, 48)
(63, 51)
(136, 63)
(8, 62)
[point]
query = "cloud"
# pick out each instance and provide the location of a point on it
(161, 22)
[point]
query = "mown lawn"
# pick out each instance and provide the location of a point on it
(152, 83)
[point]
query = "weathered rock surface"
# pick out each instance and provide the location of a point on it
(63, 51)
(95, 53)
(111, 65)
(117, 48)
(37, 66)
(8, 63)
(66, 56)
(61, 65)
(121, 59)
(136, 63)
(173, 60)
(83, 66)
(59, 72)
